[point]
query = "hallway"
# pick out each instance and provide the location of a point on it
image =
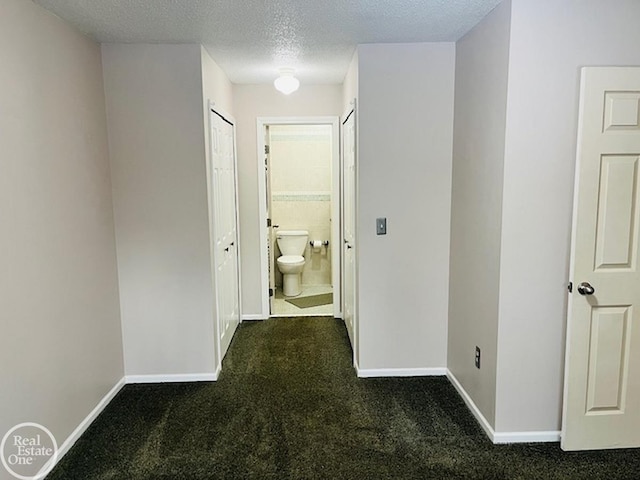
(289, 406)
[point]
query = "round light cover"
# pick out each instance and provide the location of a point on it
(286, 82)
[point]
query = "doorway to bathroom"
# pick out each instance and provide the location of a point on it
(299, 183)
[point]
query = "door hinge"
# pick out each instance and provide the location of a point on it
(268, 222)
(266, 149)
(271, 292)
(570, 287)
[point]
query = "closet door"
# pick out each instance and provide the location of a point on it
(349, 244)
(225, 229)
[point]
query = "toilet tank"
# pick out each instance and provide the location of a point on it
(292, 242)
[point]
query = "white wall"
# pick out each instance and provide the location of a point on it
(404, 173)
(250, 102)
(350, 84)
(550, 41)
(60, 345)
(215, 86)
(155, 109)
(476, 209)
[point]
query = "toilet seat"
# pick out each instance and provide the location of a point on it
(290, 259)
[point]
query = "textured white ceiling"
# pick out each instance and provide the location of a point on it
(251, 39)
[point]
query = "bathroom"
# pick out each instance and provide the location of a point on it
(300, 184)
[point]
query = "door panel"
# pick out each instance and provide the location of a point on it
(602, 369)
(608, 357)
(225, 233)
(616, 212)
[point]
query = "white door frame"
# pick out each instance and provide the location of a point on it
(209, 167)
(336, 253)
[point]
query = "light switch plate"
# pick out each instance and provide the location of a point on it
(381, 226)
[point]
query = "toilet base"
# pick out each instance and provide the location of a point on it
(291, 284)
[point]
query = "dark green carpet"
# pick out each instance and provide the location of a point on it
(289, 406)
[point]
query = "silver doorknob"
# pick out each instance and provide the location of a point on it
(585, 288)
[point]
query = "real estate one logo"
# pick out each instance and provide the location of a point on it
(29, 451)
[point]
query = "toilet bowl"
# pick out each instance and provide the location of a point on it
(291, 267)
(292, 244)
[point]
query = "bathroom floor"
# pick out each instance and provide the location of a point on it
(283, 308)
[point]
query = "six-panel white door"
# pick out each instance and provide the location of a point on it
(602, 370)
(349, 227)
(223, 193)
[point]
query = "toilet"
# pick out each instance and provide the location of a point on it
(292, 244)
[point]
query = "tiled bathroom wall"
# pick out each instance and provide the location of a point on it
(300, 166)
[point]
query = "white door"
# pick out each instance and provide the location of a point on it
(349, 227)
(223, 186)
(602, 368)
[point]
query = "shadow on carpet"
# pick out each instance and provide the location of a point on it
(288, 405)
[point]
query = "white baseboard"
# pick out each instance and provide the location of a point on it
(526, 437)
(471, 405)
(501, 437)
(253, 316)
(80, 429)
(174, 378)
(400, 372)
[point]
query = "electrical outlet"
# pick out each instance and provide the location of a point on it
(477, 357)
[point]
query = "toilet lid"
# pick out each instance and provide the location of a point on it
(290, 259)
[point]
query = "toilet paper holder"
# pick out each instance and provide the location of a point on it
(325, 243)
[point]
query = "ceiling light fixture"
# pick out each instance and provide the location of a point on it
(286, 82)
